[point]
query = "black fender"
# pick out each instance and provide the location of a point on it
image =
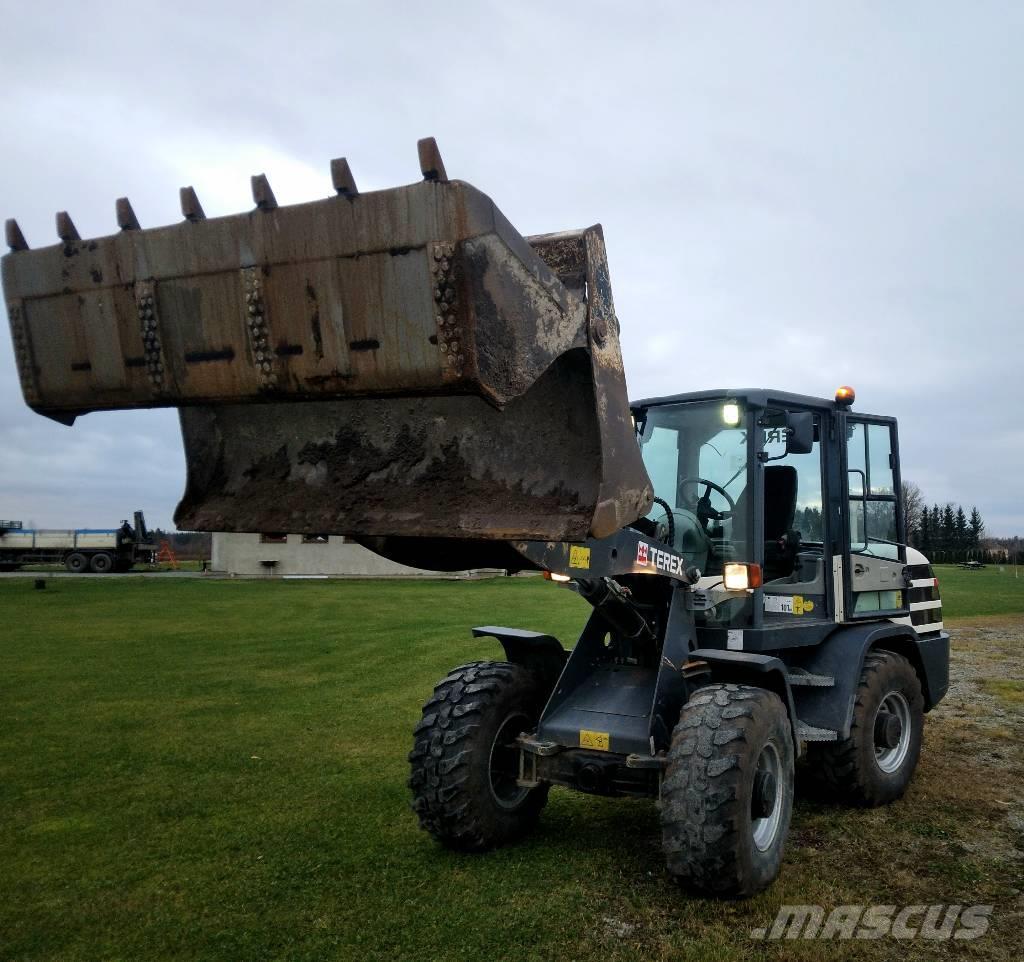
(841, 656)
(540, 653)
(930, 658)
(749, 668)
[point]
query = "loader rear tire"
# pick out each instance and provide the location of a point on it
(464, 761)
(865, 769)
(727, 797)
(77, 563)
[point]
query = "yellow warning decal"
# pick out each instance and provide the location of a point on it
(802, 605)
(598, 740)
(579, 557)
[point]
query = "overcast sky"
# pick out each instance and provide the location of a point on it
(794, 195)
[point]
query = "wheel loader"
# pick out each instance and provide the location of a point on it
(403, 367)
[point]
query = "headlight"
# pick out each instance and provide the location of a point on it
(739, 576)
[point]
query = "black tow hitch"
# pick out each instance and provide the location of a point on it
(594, 776)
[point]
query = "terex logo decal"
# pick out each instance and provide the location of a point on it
(646, 555)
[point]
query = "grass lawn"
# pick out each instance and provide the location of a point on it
(994, 590)
(205, 769)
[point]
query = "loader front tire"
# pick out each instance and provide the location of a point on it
(727, 797)
(464, 759)
(875, 764)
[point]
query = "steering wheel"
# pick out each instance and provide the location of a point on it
(703, 508)
(683, 531)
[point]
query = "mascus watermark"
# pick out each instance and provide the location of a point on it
(878, 922)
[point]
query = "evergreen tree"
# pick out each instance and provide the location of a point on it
(924, 533)
(977, 528)
(960, 528)
(936, 526)
(948, 526)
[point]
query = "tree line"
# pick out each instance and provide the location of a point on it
(947, 528)
(948, 532)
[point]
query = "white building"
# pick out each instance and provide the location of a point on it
(296, 554)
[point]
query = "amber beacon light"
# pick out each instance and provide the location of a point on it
(845, 396)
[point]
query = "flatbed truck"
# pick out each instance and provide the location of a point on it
(80, 550)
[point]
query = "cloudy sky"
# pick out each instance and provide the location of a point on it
(794, 195)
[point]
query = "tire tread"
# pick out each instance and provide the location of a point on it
(703, 789)
(837, 766)
(444, 799)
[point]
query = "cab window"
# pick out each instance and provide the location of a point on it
(872, 495)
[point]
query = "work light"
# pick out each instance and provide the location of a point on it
(739, 576)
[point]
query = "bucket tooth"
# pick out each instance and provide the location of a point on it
(262, 195)
(191, 209)
(66, 229)
(341, 177)
(126, 218)
(15, 238)
(431, 164)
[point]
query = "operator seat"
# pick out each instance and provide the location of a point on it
(780, 484)
(781, 543)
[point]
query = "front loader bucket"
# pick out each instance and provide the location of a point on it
(396, 363)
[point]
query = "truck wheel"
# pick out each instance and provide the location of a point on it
(875, 764)
(464, 759)
(77, 563)
(727, 796)
(102, 563)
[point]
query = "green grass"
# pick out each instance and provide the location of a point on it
(201, 769)
(1010, 690)
(994, 590)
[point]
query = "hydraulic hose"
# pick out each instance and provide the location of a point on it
(614, 604)
(671, 520)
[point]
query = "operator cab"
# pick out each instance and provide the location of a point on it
(796, 493)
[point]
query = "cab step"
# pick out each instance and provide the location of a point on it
(804, 678)
(808, 733)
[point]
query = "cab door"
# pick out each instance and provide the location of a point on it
(875, 556)
(796, 561)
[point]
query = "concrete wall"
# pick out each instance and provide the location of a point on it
(242, 554)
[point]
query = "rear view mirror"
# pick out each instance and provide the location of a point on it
(799, 432)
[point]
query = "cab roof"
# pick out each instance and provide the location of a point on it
(754, 397)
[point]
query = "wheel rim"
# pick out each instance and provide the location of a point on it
(503, 762)
(889, 759)
(765, 828)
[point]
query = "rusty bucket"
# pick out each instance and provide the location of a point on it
(397, 363)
